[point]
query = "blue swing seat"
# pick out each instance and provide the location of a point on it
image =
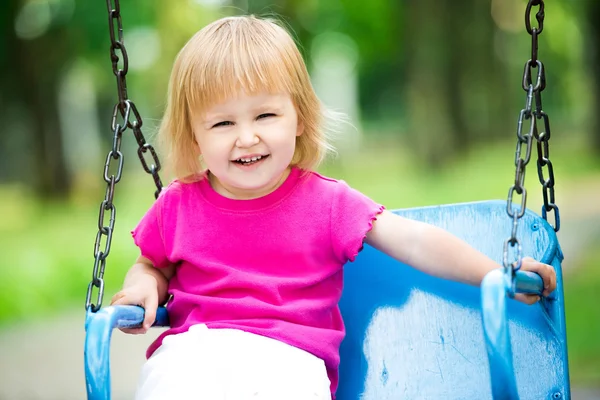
(413, 336)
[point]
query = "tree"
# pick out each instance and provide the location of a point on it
(593, 38)
(32, 68)
(32, 88)
(456, 91)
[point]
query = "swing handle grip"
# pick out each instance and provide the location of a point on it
(529, 283)
(133, 316)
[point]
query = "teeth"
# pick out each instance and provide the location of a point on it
(247, 160)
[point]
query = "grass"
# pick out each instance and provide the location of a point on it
(583, 320)
(47, 248)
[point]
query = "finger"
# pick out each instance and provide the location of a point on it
(117, 298)
(548, 276)
(133, 331)
(527, 298)
(124, 299)
(530, 264)
(150, 311)
(551, 283)
(546, 272)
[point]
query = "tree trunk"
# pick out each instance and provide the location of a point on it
(593, 60)
(432, 128)
(33, 88)
(484, 110)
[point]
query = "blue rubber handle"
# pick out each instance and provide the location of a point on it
(529, 282)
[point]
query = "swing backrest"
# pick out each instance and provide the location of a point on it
(413, 336)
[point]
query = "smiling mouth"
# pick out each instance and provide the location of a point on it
(250, 160)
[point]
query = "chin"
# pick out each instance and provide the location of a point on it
(253, 185)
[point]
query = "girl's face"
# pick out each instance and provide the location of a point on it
(248, 142)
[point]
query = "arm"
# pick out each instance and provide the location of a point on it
(437, 252)
(145, 286)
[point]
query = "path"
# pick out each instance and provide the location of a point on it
(44, 360)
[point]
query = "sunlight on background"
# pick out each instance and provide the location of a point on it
(334, 73)
(432, 92)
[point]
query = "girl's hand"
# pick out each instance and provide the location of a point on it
(548, 276)
(143, 294)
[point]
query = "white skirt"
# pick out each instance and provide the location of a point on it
(229, 364)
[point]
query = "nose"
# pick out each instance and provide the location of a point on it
(247, 137)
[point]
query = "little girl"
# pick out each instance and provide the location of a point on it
(248, 243)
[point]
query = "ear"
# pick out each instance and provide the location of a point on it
(300, 128)
(196, 145)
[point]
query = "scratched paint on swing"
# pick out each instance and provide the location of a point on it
(415, 349)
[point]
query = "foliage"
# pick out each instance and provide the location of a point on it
(446, 73)
(583, 320)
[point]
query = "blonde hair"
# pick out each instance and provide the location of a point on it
(232, 54)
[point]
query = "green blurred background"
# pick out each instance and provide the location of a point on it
(432, 89)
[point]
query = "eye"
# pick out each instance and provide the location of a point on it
(265, 115)
(222, 123)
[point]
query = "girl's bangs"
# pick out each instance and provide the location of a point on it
(232, 68)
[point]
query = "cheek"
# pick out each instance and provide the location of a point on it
(212, 148)
(285, 139)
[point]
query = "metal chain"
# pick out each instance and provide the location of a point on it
(125, 116)
(532, 113)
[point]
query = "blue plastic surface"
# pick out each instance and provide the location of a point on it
(494, 289)
(99, 327)
(412, 336)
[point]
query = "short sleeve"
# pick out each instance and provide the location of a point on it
(352, 216)
(148, 235)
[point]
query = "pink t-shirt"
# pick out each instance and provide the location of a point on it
(270, 266)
